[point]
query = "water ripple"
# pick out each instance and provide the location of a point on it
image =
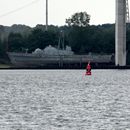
(64, 100)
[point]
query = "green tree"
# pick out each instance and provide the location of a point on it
(80, 19)
(1, 49)
(15, 42)
(40, 39)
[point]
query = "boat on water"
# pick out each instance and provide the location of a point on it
(52, 56)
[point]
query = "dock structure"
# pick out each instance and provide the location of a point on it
(120, 35)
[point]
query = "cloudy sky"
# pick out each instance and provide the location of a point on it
(32, 12)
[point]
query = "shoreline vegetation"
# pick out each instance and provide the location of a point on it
(5, 66)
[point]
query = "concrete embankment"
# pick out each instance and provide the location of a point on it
(9, 66)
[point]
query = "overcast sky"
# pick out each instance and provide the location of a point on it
(25, 12)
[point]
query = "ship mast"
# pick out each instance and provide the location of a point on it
(46, 15)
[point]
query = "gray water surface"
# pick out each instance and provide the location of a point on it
(64, 100)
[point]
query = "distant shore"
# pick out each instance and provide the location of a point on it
(9, 66)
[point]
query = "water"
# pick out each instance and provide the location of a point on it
(64, 100)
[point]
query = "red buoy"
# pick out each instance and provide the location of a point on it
(88, 69)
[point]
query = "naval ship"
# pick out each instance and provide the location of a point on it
(52, 56)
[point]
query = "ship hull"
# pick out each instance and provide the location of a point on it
(30, 60)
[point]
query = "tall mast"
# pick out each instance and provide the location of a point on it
(46, 15)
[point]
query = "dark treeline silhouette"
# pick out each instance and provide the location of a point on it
(83, 40)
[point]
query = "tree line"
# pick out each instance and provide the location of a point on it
(94, 39)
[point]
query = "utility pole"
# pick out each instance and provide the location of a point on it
(46, 15)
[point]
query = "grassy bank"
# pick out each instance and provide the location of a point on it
(5, 66)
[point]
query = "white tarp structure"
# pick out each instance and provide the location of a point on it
(51, 51)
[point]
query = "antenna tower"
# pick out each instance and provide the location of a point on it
(61, 41)
(46, 15)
